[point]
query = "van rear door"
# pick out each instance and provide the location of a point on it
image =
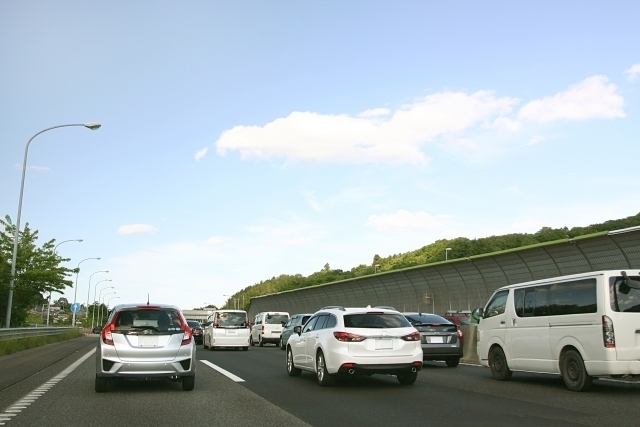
(624, 303)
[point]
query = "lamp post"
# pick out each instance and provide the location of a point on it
(109, 300)
(75, 293)
(108, 293)
(235, 301)
(100, 306)
(375, 268)
(93, 317)
(89, 289)
(92, 126)
(446, 254)
(50, 292)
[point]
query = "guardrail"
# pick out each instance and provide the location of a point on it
(16, 333)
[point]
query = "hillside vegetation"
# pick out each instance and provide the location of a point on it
(461, 247)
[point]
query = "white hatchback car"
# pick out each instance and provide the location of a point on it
(355, 341)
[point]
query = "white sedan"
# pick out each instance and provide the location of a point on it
(355, 341)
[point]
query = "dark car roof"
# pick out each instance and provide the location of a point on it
(426, 318)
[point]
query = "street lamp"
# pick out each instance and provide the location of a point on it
(56, 253)
(93, 317)
(89, 289)
(75, 294)
(108, 293)
(109, 300)
(235, 302)
(446, 254)
(375, 268)
(99, 298)
(90, 125)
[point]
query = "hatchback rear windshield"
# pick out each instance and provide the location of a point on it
(624, 298)
(276, 319)
(426, 319)
(159, 320)
(375, 320)
(231, 319)
(193, 324)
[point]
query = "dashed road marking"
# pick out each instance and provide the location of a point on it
(223, 371)
(31, 397)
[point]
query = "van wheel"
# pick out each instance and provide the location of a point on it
(101, 384)
(204, 343)
(291, 369)
(188, 383)
(498, 363)
(260, 343)
(324, 378)
(574, 374)
(251, 341)
(452, 363)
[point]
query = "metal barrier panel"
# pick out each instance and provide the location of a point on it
(17, 333)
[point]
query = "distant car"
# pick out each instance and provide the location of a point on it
(440, 338)
(96, 330)
(196, 327)
(287, 330)
(458, 320)
(228, 329)
(267, 326)
(144, 342)
(355, 341)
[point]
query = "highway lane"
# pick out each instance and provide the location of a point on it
(466, 395)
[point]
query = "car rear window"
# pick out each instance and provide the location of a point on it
(227, 319)
(276, 319)
(375, 320)
(426, 319)
(193, 324)
(624, 298)
(159, 320)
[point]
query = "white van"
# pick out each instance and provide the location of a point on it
(226, 328)
(267, 327)
(580, 326)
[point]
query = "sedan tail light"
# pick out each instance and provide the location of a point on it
(460, 336)
(413, 336)
(347, 337)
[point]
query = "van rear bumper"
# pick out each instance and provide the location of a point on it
(612, 367)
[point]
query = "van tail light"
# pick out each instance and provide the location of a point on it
(262, 329)
(413, 336)
(347, 337)
(608, 335)
(186, 330)
(460, 335)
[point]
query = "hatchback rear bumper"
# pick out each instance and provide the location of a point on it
(438, 352)
(111, 368)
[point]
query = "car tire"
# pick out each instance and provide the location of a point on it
(573, 372)
(322, 375)
(407, 378)
(101, 384)
(260, 342)
(452, 363)
(188, 383)
(204, 344)
(245, 348)
(291, 369)
(281, 344)
(498, 363)
(251, 341)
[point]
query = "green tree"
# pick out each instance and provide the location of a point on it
(38, 271)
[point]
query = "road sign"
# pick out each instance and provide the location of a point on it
(75, 307)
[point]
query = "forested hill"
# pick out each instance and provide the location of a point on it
(461, 247)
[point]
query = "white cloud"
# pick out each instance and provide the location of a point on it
(375, 112)
(406, 221)
(216, 240)
(313, 137)
(201, 153)
(592, 98)
(136, 229)
(633, 72)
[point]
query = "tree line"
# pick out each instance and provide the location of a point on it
(461, 247)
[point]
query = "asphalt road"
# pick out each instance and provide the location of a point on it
(267, 396)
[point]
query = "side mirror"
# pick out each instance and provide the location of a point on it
(283, 323)
(476, 315)
(297, 330)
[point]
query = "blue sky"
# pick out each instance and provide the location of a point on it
(244, 140)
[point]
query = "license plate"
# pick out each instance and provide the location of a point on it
(435, 340)
(231, 332)
(148, 341)
(384, 344)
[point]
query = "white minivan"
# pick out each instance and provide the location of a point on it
(226, 328)
(267, 327)
(579, 326)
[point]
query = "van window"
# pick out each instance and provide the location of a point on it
(624, 298)
(226, 319)
(497, 304)
(576, 297)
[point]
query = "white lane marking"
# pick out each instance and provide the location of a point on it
(223, 371)
(17, 406)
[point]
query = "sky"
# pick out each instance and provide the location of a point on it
(244, 140)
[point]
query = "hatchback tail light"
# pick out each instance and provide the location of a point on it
(608, 335)
(106, 333)
(347, 337)
(413, 336)
(186, 330)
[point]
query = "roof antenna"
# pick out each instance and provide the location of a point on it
(147, 298)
